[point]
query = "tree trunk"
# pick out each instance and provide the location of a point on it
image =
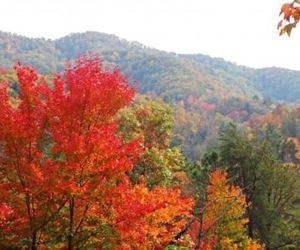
(71, 224)
(199, 237)
(34, 241)
(250, 223)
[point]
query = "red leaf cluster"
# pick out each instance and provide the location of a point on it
(63, 168)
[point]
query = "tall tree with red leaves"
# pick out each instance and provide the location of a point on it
(63, 168)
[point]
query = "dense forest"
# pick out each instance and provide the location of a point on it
(166, 151)
(205, 92)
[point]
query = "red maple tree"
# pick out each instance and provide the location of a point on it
(63, 168)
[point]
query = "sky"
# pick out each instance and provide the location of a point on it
(240, 31)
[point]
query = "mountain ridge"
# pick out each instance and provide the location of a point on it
(49, 55)
(205, 92)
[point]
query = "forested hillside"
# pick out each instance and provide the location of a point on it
(169, 152)
(135, 59)
(205, 92)
(83, 165)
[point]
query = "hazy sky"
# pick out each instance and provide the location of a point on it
(237, 30)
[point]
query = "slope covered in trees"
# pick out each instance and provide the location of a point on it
(78, 171)
(205, 92)
(150, 67)
(118, 183)
(86, 164)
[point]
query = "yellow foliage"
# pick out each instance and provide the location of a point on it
(223, 220)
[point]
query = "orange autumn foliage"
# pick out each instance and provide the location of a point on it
(222, 221)
(154, 218)
(291, 16)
